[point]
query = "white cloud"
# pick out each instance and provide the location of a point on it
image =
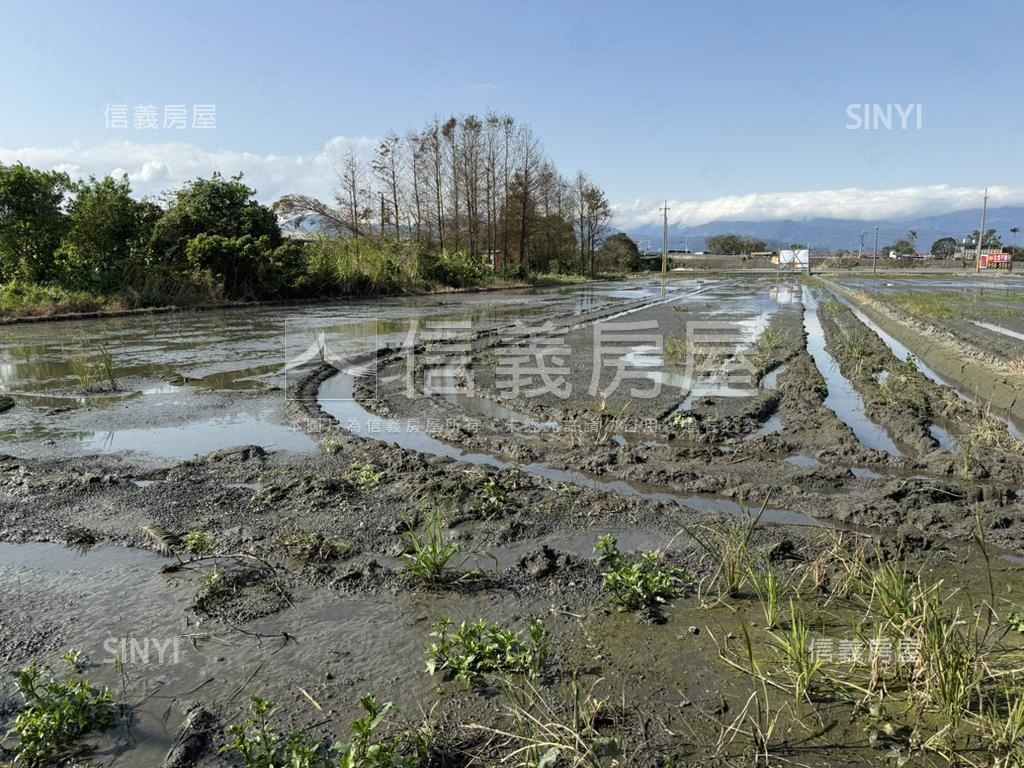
(152, 168)
(155, 167)
(849, 203)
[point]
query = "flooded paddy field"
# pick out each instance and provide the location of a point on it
(290, 503)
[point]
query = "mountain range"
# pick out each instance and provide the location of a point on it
(838, 234)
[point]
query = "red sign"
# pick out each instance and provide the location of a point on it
(995, 260)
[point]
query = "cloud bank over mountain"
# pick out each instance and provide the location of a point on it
(154, 167)
(848, 203)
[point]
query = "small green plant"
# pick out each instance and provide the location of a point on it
(363, 751)
(74, 659)
(1016, 621)
(430, 555)
(57, 715)
(684, 420)
(795, 643)
(213, 583)
(313, 547)
(492, 496)
(728, 546)
(675, 350)
(899, 389)
(260, 745)
(766, 346)
(365, 476)
(199, 543)
(331, 445)
(96, 371)
(471, 650)
(1002, 726)
(644, 583)
(554, 728)
(766, 584)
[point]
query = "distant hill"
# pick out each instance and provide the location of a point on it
(835, 234)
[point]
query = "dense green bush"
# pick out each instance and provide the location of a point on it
(457, 269)
(358, 266)
(83, 246)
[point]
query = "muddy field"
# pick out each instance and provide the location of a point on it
(814, 430)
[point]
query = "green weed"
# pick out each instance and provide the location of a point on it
(56, 716)
(430, 555)
(766, 584)
(644, 583)
(471, 650)
(331, 446)
(313, 547)
(260, 745)
(198, 543)
(365, 476)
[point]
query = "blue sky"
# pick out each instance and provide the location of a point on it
(697, 102)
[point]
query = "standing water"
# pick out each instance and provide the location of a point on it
(842, 398)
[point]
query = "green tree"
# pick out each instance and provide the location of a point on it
(729, 244)
(107, 229)
(217, 207)
(246, 267)
(33, 220)
(944, 248)
(903, 247)
(619, 252)
(991, 240)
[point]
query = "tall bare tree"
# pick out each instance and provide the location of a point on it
(387, 167)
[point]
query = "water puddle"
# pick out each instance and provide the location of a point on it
(842, 398)
(60, 559)
(772, 426)
(944, 438)
(1000, 329)
(863, 473)
(771, 379)
(254, 487)
(801, 460)
(184, 442)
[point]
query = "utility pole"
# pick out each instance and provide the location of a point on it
(860, 250)
(1013, 248)
(981, 233)
(664, 243)
(874, 258)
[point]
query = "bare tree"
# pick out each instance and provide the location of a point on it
(387, 167)
(592, 217)
(465, 181)
(352, 195)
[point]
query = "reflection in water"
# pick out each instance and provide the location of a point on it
(183, 442)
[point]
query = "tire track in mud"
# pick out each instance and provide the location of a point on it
(943, 365)
(328, 393)
(842, 398)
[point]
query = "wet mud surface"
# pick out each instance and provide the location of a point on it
(806, 410)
